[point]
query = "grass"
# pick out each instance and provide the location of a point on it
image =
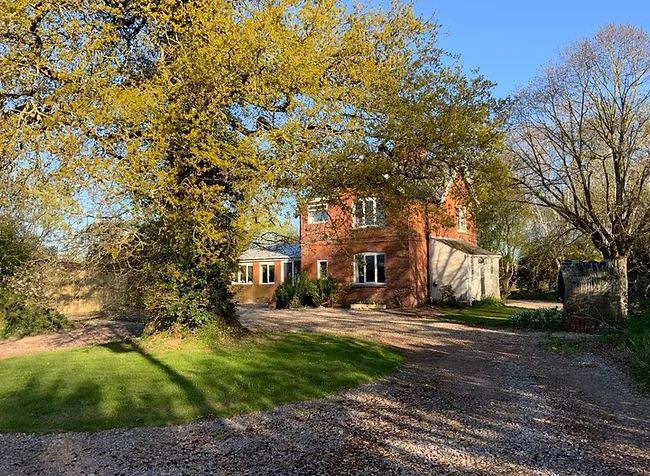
(567, 346)
(535, 295)
(169, 382)
(493, 315)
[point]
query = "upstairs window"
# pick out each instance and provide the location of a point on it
(370, 268)
(267, 273)
(244, 275)
(368, 212)
(317, 213)
(461, 214)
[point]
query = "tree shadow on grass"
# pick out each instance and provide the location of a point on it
(122, 384)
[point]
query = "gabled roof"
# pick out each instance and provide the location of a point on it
(466, 247)
(279, 251)
(438, 188)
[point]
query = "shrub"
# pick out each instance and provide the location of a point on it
(19, 317)
(329, 290)
(637, 338)
(284, 295)
(490, 301)
(539, 319)
(306, 292)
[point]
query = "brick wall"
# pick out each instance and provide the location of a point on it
(257, 292)
(402, 240)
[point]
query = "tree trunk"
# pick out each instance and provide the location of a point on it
(621, 288)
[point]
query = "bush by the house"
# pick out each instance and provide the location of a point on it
(306, 292)
(539, 319)
(329, 290)
(19, 317)
(489, 301)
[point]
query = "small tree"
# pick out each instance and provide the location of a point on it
(580, 141)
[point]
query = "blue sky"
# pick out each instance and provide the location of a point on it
(509, 41)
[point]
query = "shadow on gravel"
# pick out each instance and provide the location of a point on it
(468, 401)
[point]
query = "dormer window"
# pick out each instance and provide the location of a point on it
(461, 214)
(368, 212)
(317, 212)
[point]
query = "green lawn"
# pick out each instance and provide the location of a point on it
(128, 384)
(479, 314)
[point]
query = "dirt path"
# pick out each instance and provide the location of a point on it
(87, 330)
(468, 401)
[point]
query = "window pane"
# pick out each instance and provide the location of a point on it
(359, 212)
(265, 274)
(271, 273)
(249, 276)
(370, 212)
(370, 269)
(380, 220)
(361, 269)
(381, 268)
(322, 269)
(288, 271)
(317, 213)
(296, 268)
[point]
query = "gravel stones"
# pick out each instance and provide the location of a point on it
(467, 401)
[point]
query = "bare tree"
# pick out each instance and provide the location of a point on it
(580, 141)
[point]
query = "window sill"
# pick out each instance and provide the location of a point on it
(267, 284)
(363, 227)
(242, 284)
(369, 285)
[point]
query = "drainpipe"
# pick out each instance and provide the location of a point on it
(429, 294)
(427, 234)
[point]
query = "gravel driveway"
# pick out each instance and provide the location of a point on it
(467, 401)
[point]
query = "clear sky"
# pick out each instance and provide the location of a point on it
(509, 41)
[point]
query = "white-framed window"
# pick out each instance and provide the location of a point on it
(368, 212)
(317, 212)
(322, 271)
(461, 213)
(267, 273)
(370, 268)
(290, 270)
(244, 274)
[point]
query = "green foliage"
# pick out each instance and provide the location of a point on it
(329, 290)
(183, 125)
(17, 247)
(175, 287)
(538, 319)
(637, 339)
(306, 292)
(19, 317)
(551, 295)
(489, 301)
(172, 381)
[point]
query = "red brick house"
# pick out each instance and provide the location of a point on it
(383, 256)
